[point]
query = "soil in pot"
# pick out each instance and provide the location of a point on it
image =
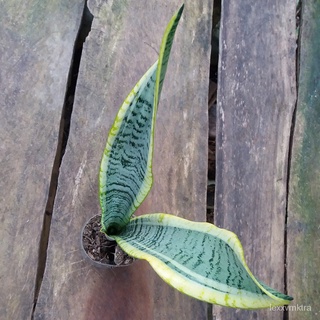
(99, 248)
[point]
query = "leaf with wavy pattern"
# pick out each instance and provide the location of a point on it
(126, 167)
(198, 259)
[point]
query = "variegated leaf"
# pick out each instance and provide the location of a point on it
(126, 168)
(199, 259)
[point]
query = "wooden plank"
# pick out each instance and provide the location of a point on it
(303, 256)
(35, 53)
(121, 46)
(256, 96)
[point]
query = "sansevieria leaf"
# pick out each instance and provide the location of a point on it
(126, 167)
(199, 259)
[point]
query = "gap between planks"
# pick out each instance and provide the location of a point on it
(84, 30)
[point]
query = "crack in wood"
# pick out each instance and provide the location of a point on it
(291, 140)
(83, 32)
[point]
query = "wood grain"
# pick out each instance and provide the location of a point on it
(256, 97)
(122, 45)
(303, 255)
(36, 47)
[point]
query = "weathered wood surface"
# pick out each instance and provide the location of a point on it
(256, 98)
(303, 257)
(35, 52)
(122, 44)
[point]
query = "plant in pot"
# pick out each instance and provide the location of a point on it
(197, 258)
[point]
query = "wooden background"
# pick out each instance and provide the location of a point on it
(256, 99)
(267, 170)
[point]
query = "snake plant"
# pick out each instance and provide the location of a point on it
(197, 258)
